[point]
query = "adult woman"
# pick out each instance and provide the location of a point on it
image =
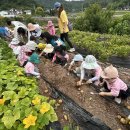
(63, 24)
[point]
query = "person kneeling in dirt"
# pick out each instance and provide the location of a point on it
(112, 85)
(48, 52)
(30, 67)
(75, 64)
(60, 56)
(53, 40)
(90, 68)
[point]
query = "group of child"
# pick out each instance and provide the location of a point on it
(108, 79)
(55, 50)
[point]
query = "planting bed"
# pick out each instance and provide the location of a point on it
(101, 108)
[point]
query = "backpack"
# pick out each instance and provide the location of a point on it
(70, 26)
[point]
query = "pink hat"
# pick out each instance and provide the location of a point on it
(50, 23)
(31, 27)
(109, 72)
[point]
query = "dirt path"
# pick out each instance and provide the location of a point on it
(96, 105)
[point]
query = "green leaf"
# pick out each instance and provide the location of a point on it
(16, 114)
(8, 121)
(28, 111)
(20, 127)
(23, 92)
(33, 128)
(2, 127)
(26, 101)
(11, 86)
(53, 117)
(8, 94)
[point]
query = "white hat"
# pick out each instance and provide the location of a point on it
(78, 57)
(48, 49)
(109, 72)
(90, 62)
(31, 45)
(14, 41)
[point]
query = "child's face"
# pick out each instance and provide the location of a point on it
(110, 80)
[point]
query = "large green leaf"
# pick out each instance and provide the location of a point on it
(11, 86)
(8, 121)
(8, 94)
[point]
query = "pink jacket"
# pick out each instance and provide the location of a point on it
(29, 68)
(116, 86)
(60, 56)
(22, 57)
(51, 30)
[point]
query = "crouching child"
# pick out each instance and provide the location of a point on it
(112, 85)
(31, 66)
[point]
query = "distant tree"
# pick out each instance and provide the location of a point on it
(39, 11)
(94, 19)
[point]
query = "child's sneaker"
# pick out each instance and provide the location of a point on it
(118, 100)
(71, 50)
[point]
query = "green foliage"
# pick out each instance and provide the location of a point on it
(39, 11)
(121, 26)
(19, 97)
(102, 46)
(94, 19)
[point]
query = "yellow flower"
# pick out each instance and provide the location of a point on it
(30, 120)
(2, 101)
(36, 101)
(45, 108)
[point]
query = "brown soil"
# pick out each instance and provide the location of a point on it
(59, 107)
(95, 104)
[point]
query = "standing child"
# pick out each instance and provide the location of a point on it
(50, 28)
(31, 66)
(113, 86)
(60, 56)
(91, 67)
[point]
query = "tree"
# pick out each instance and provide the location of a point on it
(39, 11)
(94, 19)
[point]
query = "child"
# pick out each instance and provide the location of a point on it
(22, 56)
(76, 61)
(32, 44)
(95, 70)
(30, 67)
(50, 28)
(60, 55)
(48, 51)
(4, 32)
(53, 40)
(16, 46)
(113, 85)
(35, 30)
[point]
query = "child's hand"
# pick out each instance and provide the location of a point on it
(79, 83)
(89, 81)
(102, 93)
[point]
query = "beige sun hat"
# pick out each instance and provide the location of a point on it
(31, 27)
(31, 45)
(109, 72)
(48, 49)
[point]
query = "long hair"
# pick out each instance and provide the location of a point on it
(60, 10)
(48, 37)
